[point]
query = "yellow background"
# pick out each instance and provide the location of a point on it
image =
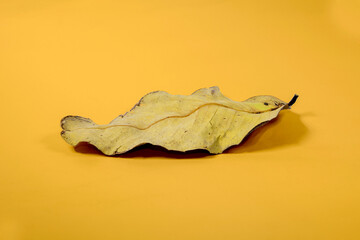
(296, 178)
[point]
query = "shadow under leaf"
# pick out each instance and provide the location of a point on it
(287, 129)
(146, 151)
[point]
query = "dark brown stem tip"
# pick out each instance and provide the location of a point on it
(293, 100)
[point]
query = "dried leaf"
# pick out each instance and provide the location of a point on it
(205, 119)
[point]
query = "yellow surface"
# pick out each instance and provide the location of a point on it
(297, 178)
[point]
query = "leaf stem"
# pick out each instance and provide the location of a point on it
(293, 100)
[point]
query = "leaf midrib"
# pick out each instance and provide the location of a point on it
(183, 116)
